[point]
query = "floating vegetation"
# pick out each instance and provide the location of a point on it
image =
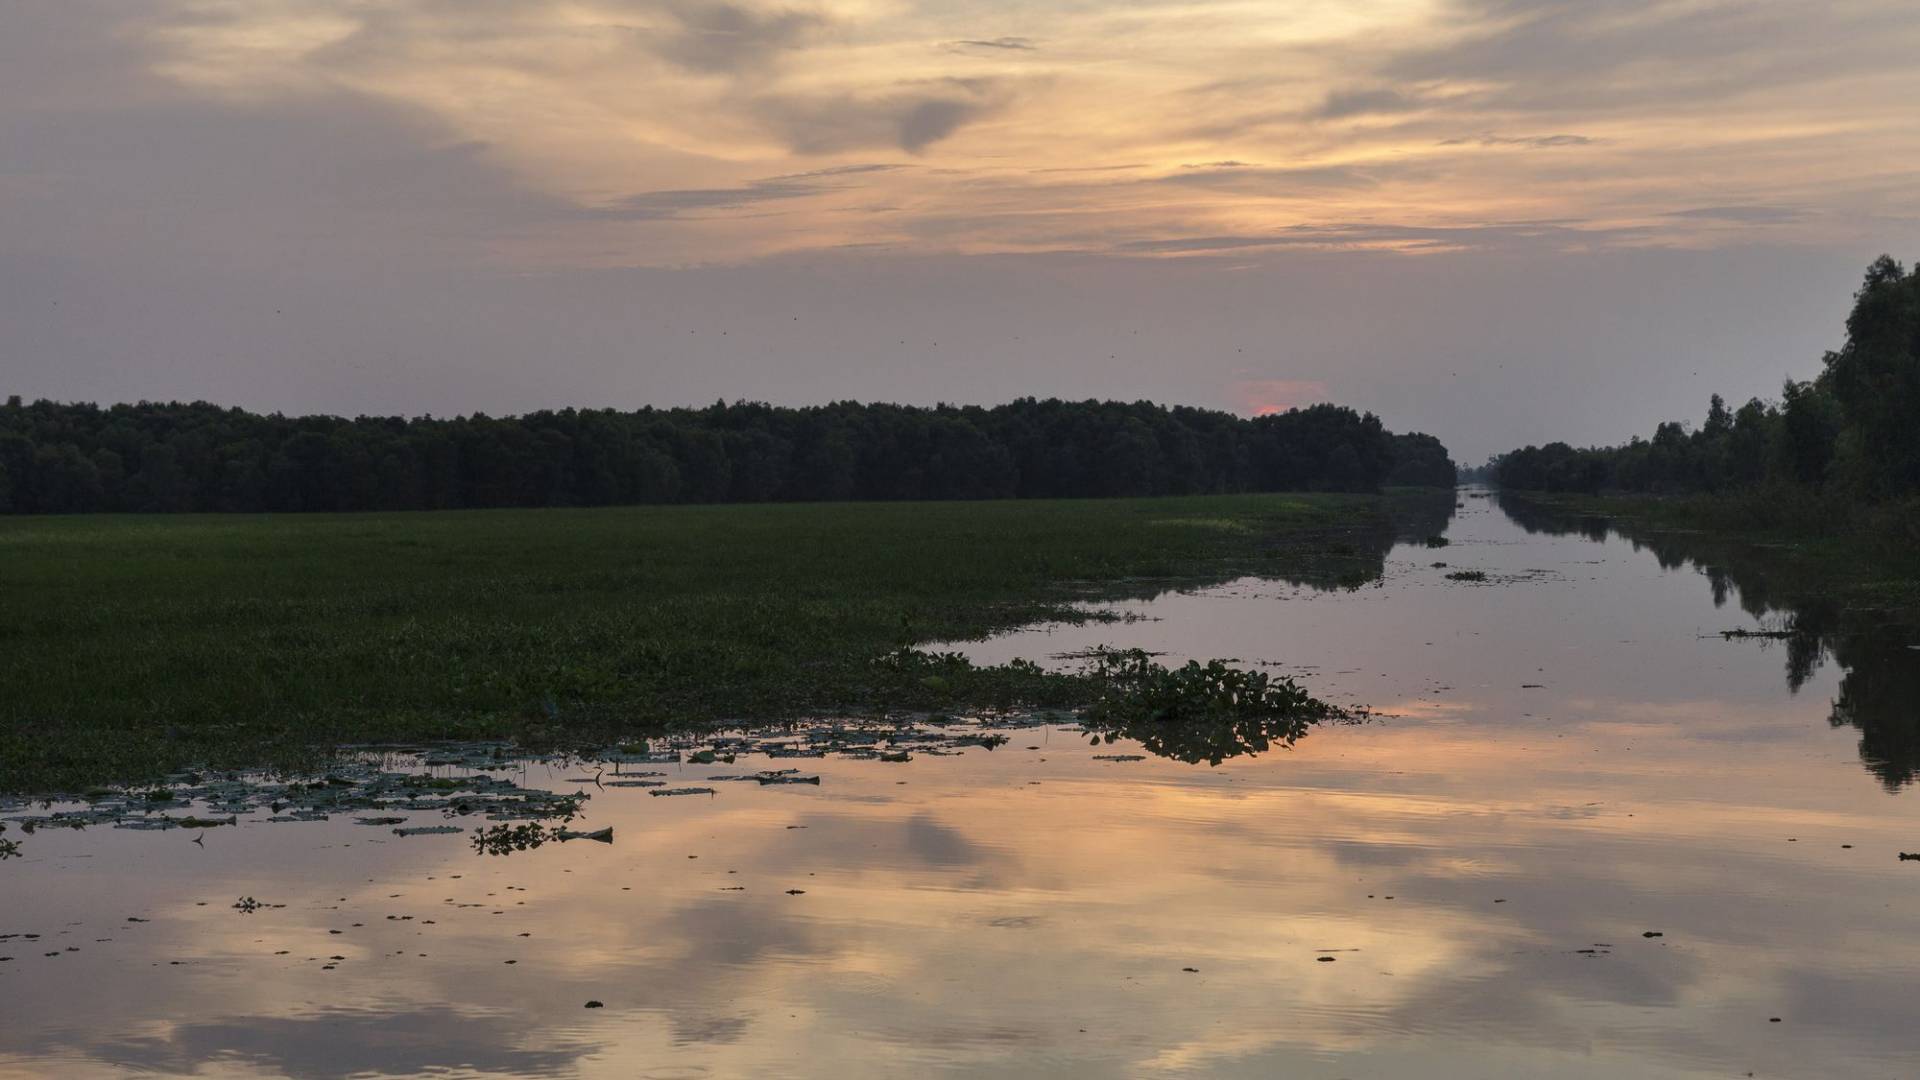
(1436, 541)
(773, 776)
(375, 789)
(9, 849)
(601, 836)
(1195, 713)
(1468, 575)
(507, 839)
(1198, 712)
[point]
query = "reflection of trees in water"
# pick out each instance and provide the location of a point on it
(1878, 696)
(1352, 556)
(1879, 692)
(1213, 712)
(1335, 559)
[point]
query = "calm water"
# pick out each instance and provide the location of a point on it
(1563, 760)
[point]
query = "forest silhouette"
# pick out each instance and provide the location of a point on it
(151, 457)
(1847, 436)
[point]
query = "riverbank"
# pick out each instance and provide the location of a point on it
(137, 645)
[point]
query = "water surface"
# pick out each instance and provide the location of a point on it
(1560, 762)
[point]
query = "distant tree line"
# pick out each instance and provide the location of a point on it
(152, 457)
(1852, 432)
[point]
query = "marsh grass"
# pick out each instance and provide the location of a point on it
(131, 646)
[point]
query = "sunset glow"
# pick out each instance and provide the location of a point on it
(657, 132)
(1454, 214)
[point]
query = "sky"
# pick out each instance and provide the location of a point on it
(1498, 221)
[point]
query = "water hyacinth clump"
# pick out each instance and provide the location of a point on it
(505, 839)
(1197, 712)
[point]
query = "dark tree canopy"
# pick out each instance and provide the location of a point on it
(1420, 461)
(75, 458)
(1854, 429)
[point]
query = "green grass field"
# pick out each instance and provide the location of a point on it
(134, 645)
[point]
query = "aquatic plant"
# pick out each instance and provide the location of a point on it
(505, 839)
(1197, 712)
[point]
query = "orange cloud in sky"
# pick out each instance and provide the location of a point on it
(668, 133)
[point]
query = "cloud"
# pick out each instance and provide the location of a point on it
(703, 36)
(336, 1043)
(939, 845)
(1016, 44)
(1541, 54)
(911, 119)
(1344, 103)
(1091, 168)
(1747, 215)
(663, 205)
(1531, 142)
(1368, 236)
(927, 122)
(723, 37)
(1243, 178)
(665, 109)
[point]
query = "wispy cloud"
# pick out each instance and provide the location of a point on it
(1412, 238)
(726, 37)
(1344, 103)
(684, 202)
(911, 118)
(1254, 179)
(1013, 44)
(1746, 215)
(1531, 142)
(1185, 119)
